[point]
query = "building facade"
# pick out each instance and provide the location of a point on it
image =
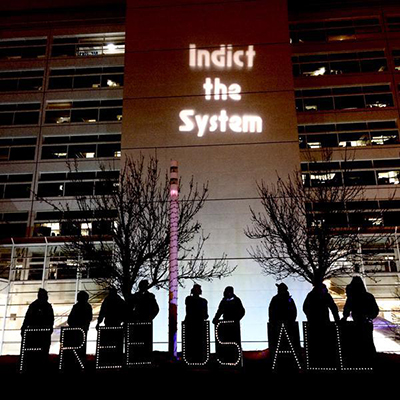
(236, 92)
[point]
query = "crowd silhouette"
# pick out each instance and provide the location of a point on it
(319, 307)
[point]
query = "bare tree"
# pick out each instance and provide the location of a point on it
(301, 229)
(128, 220)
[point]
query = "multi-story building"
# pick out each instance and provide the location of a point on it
(235, 91)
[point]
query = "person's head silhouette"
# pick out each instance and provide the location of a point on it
(196, 290)
(42, 295)
(228, 292)
(82, 297)
(282, 288)
(357, 286)
(143, 285)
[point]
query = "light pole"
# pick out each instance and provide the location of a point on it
(173, 260)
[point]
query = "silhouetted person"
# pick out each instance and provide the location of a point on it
(196, 306)
(196, 326)
(317, 305)
(230, 307)
(143, 304)
(360, 304)
(40, 315)
(363, 309)
(232, 311)
(112, 310)
(321, 337)
(282, 308)
(81, 314)
(80, 317)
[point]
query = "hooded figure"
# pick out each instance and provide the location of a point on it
(317, 305)
(40, 313)
(282, 308)
(230, 307)
(112, 310)
(359, 303)
(363, 308)
(81, 313)
(143, 304)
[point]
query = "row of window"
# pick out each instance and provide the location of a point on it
(21, 80)
(337, 30)
(77, 146)
(82, 78)
(62, 112)
(82, 146)
(349, 139)
(344, 98)
(348, 134)
(66, 78)
(15, 186)
(77, 184)
(339, 63)
(351, 165)
(64, 46)
(12, 149)
(18, 186)
(19, 113)
(356, 219)
(90, 111)
(88, 45)
(352, 178)
(81, 151)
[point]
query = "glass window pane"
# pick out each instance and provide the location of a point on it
(379, 100)
(349, 102)
(17, 191)
(22, 153)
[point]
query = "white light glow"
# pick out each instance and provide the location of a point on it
(224, 57)
(221, 122)
(111, 47)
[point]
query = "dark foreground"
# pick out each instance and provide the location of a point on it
(164, 375)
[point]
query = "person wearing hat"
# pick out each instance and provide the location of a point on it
(195, 340)
(282, 308)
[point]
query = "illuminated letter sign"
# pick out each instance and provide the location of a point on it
(322, 344)
(196, 342)
(36, 355)
(139, 335)
(356, 347)
(72, 349)
(284, 339)
(228, 347)
(109, 347)
(215, 90)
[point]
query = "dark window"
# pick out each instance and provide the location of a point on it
(78, 188)
(63, 82)
(379, 100)
(22, 153)
(110, 114)
(82, 151)
(17, 191)
(349, 102)
(50, 189)
(344, 67)
(54, 152)
(108, 150)
(359, 178)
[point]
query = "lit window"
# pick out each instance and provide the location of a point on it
(314, 145)
(389, 177)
